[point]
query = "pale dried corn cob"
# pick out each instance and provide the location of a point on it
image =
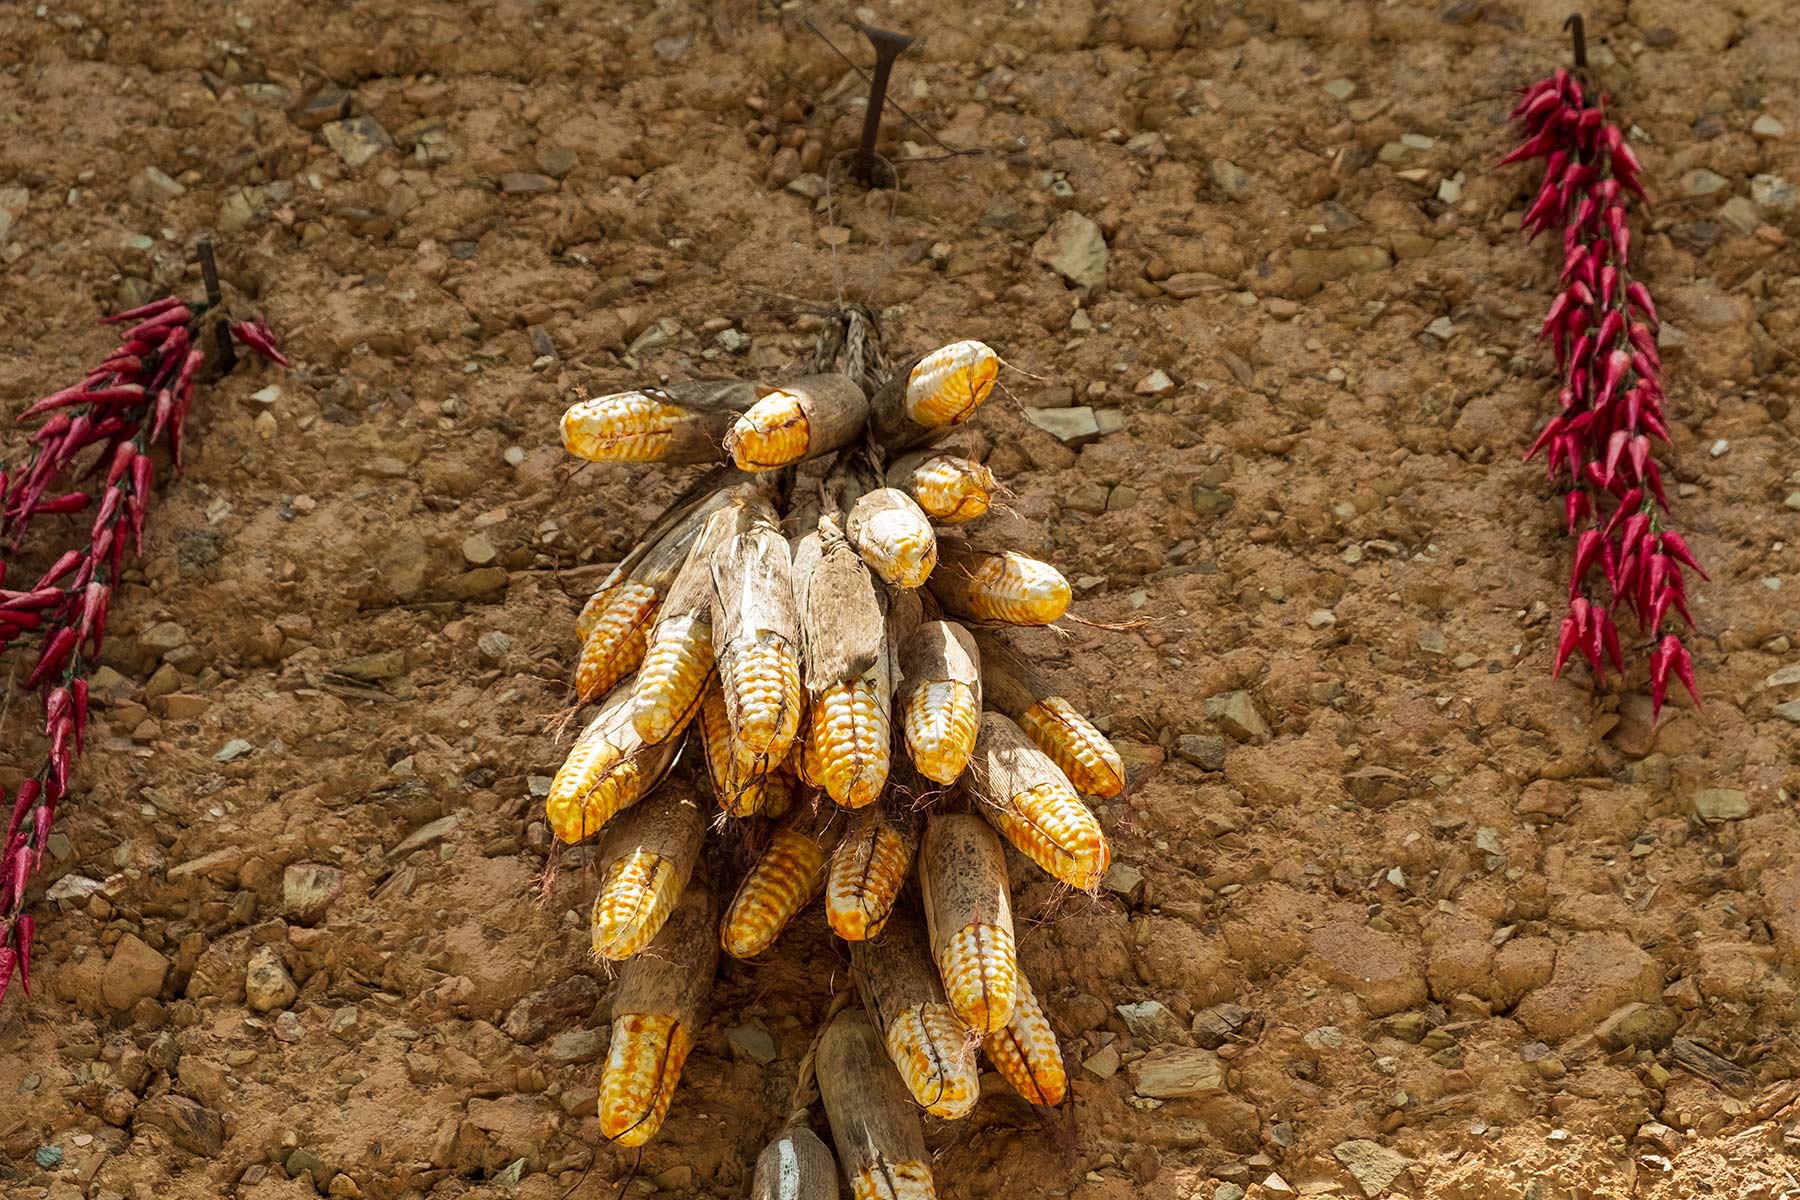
(1011, 685)
(803, 418)
(894, 536)
(762, 696)
(940, 698)
(795, 1166)
(968, 917)
(680, 423)
(1070, 739)
(807, 767)
(852, 732)
(880, 1146)
(930, 1047)
(868, 869)
(756, 632)
(625, 427)
(1027, 798)
(645, 860)
(740, 792)
(999, 585)
(615, 645)
(783, 880)
(656, 1012)
(950, 490)
(1025, 1052)
(607, 770)
(949, 384)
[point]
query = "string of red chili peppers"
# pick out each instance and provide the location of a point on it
(134, 399)
(1603, 325)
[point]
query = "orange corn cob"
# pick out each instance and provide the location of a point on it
(626, 427)
(773, 433)
(784, 879)
(635, 898)
(979, 964)
(947, 385)
(1025, 1052)
(851, 733)
(677, 666)
(867, 871)
(1073, 744)
(1052, 827)
(643, 1065)
(740, 792)
(935, 1056)
(591, 611)
(1001, 586)
(763, 697)
(601, 775)
(952, 490)
(616, 645)
(940, 721)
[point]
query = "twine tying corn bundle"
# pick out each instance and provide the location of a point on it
(812, 608)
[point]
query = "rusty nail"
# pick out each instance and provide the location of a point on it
(209, 271)
(1577, 27)
(888, 46)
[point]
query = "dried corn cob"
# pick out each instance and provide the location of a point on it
(867, 871)
(940, 698)
(680, 423)
(930, 1047)
(781, 883)
(755, 634)
(894, 537)
(998, 585)
(849, 671)
(968, 916)
(656, 1012)
(615, 645)
(740, 790)
(795, 1166)
(880, 1146)
(679, 659)
(1026, 797)
(591, 611)
(607, 770)
(808, 417)
(1070, 739)
(932, 391)
(950, 490)
(1025, 1052)
(645, 861)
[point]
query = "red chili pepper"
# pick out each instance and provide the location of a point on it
(55, 654)
(154, 308)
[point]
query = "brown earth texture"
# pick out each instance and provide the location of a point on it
(1393, 887)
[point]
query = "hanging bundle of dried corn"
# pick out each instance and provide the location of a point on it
(837, 640)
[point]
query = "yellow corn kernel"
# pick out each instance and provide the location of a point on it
(805, 759)
(940, 722)
(1012, 587)
(596, 780)
(867, 871)
(677, 665)
(616, 645)
(591, 612)
(1025, 1052)
(907, 1180)
(635, 898)
(626, 427)
(980, 967)
(935, 1056)
(772, 433)
(1052, 827)
(952, 490)
(1073, 744)
(949, 384)
(762, 686)
(643, 1065)
(852, 729)
(781, 883)
(739, 794)
(899, 545)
